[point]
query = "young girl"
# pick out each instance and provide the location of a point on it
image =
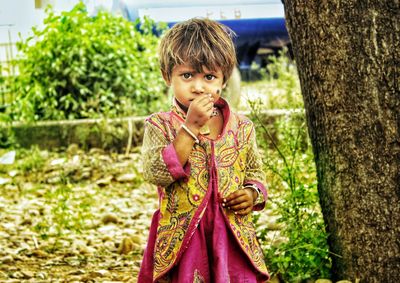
(204, 160)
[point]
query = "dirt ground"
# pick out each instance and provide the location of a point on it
(73, 216)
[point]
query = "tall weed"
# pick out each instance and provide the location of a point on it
(300, 251)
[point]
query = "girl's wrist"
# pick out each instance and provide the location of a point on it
(191, 133)
(256, 193)
(193, 128)
(253, 193)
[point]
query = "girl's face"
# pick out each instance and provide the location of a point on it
(187, 84)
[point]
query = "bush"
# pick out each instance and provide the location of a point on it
(300, 251)
(80, 67)
(1, 76)
(279, 87)
(2, 89)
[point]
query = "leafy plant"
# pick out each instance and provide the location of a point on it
(4, 100)
(68, 213)
(79, 66)
(67, 209)
(7, 138)
(2, 80)
(302, 251)
(279, 86)
(30, 160)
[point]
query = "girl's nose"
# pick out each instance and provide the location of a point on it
(197, 87)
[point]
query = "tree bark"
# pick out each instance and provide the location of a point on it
(348, 57)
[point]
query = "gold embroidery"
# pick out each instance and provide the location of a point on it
(237, 161)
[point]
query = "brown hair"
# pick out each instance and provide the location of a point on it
(199, 43)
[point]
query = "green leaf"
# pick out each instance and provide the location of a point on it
(74, 58)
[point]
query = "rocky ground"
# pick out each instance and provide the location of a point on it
(73, 216)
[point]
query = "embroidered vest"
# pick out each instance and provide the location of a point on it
(183, 202)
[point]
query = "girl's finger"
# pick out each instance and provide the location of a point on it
(244, 211)
(234, 195)
(237, 200)
(207, 103)
(240, 206)
(201, 100)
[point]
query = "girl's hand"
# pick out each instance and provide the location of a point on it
(200, 110)
(241, 201)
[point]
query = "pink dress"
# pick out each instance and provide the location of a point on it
(213, 254)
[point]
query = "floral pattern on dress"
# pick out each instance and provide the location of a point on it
(183, 201)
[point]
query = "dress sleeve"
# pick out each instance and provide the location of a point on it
(254, 169)
(161, 165)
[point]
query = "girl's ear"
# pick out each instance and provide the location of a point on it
(224, 86)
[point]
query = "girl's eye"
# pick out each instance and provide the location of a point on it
(209, 77)
(187, 75)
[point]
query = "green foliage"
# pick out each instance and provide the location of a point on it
(3, 91)
(302, 251)
(299, 251)
(30, 160)
(279, 87)
(66, 208)
(282, 71)
(69, 212)
(79, 66)
(5, 97)
(7, 138)
(1, 79)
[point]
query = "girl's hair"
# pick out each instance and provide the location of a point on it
(199, 43)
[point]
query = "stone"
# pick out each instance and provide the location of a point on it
(129, 177)
(27, 222)
(95, 150)
(13, 173)
(7, 259)
(99, 273)
(104, 182)
(137, 239)
(54, 180)
(73, 149)
(27, 274)
(87, 250)
(39, 253)
(106, 238)
(17, 275)
(126, 246)
(41, 275)
(110, 218)
(4, 180)
(84, 175)
(77, 272)
(57, 162)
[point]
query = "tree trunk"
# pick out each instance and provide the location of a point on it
(348, 57)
